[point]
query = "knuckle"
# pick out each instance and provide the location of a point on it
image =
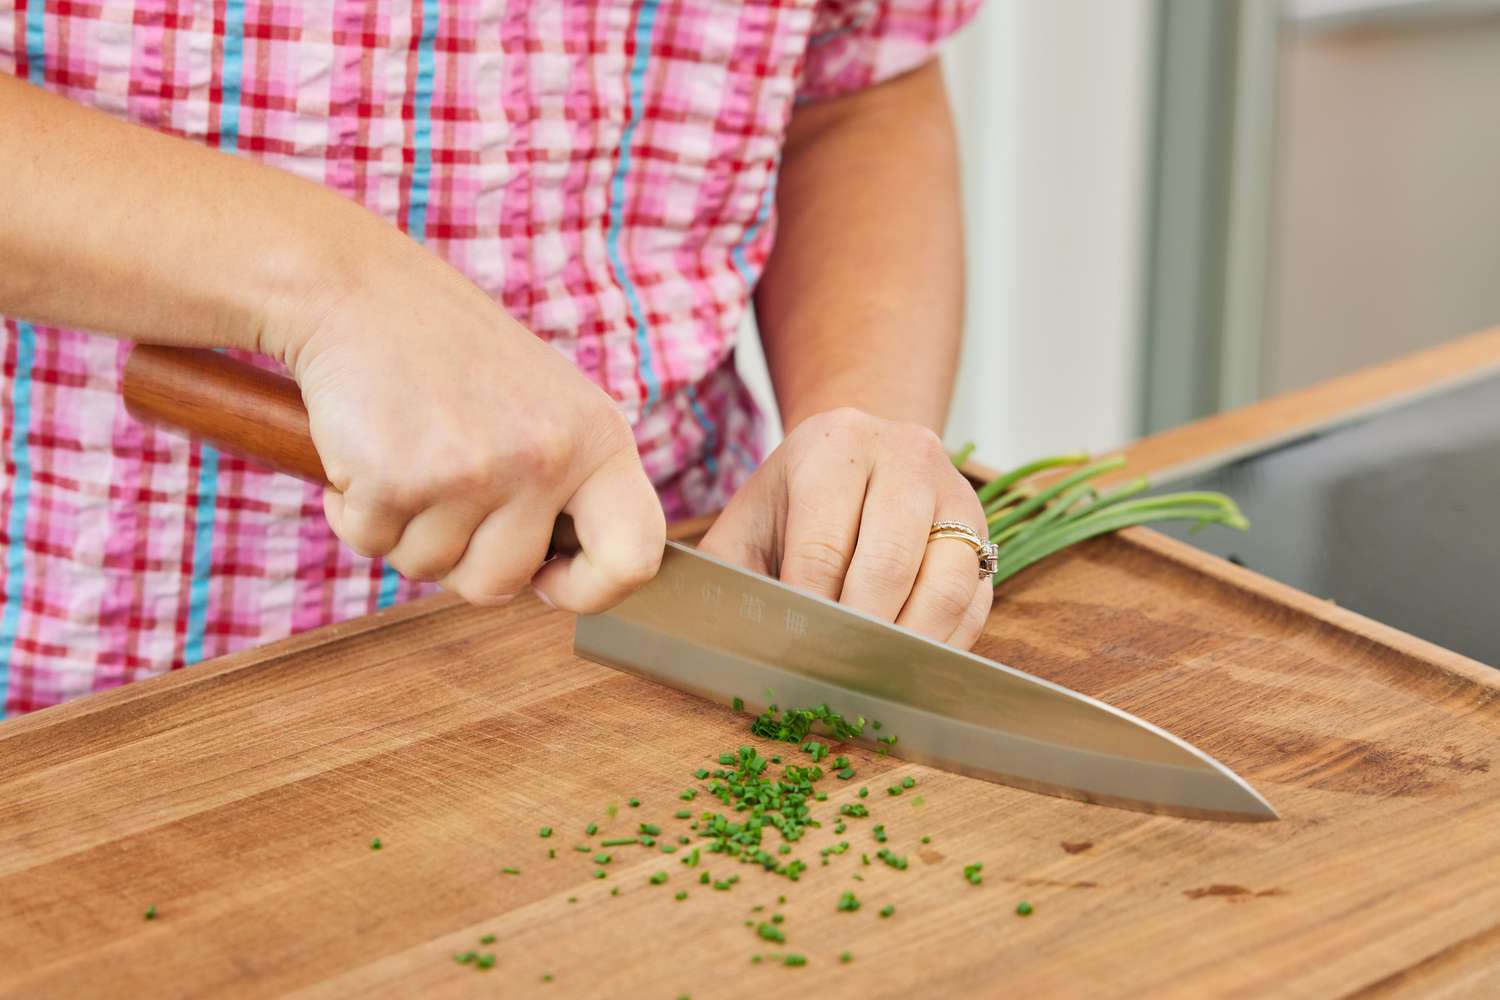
(544, 451)
(817, 561)
(889, 561)
(952, 598)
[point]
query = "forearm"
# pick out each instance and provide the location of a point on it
(861, 301)
(111, 227)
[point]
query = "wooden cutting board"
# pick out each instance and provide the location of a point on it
(240, 798)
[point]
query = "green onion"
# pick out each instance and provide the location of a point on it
(619, 842)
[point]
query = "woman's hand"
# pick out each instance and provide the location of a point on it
(454, 437)
(843, 509)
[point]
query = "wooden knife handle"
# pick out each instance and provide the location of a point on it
(240, 409)
(234, 406)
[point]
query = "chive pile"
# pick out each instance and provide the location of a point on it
(750, 815)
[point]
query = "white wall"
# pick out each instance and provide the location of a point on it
(1053, 102)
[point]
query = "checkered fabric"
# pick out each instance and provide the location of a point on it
(604, 169)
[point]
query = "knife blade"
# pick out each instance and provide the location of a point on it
(722, 632)
(713, 629)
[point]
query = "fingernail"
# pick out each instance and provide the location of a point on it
(544, 598)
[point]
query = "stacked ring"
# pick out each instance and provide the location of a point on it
(987, 551)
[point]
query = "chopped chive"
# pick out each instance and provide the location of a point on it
(887, 910)
(465, 957)
(877, 725)
(908, 781)
(615, 891)
(601, 858)
(784, 849)
(544, 832)
(658, 878)
(703, 878)
(771, 932)
(781, 900)
(893, 790)
(684, 840)
(853, 809)
(634, 802)
(669, 848)
(601, 873)
(551, 852)
(794, 960)
(610, 810)
(916, 802)
(572, 899)
(845, 773)
(838, 827)
(485, 961)
(683, 814)
(375, 844)
(739, 704)
(510, 871)
(845, 957)
(547, 977)
(591, 829)
(756, 959)
(648, 842)
(889, 741)
(681, 895)
(727, 758)
(926, 840)
(650, 829)
(689, 794)
(487, 939)
(863, 792)
(582, 848)
(879, 832)
(1024, 908)
(777, 918)
(151, 912)
(848, 903)
(972, 873)
(723, 885)
(619, 842)
(701, 773)
(776, 759)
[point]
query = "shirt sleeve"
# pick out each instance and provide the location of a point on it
(859, 43)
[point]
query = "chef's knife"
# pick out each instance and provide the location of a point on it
(723, 632)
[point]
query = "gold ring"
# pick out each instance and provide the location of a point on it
(987, 551)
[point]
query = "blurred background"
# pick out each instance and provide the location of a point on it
(1179, 206)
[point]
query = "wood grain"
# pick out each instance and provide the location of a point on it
(240, 797)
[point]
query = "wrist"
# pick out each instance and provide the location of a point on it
(307, 273)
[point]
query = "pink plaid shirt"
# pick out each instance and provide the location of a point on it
(604, 169)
